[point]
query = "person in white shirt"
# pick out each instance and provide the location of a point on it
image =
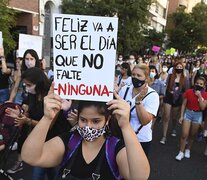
(144, 103)
(125, 77)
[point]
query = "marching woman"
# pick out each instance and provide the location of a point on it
(177, 83)
(144, 104)
(89, 158)
(195, 100)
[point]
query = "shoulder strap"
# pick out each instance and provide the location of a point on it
(73, 143)
(125, 94)
(120, 78)
(140, 127)
(142, 99)
(111, 143)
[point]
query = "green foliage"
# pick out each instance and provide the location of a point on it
(7, 21)
(199, 15)
(132, 14)
(152, 37)
(190, 29)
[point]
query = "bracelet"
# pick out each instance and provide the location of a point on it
(138, 102)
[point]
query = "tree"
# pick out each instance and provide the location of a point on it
(182, 35)
(190, 29)
(7, 21)
(199, 15)
(152, 37)
(132, 14)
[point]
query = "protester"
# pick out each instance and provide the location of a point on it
(5, 73)
(37, 86)
(159, 86)
(177, 83)
(195, 100)
(92, 120)
(144, 104)
(30, 59)
(125, 77)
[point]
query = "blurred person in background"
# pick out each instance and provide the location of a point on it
(5, 74)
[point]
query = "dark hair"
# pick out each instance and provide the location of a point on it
(102, 109)
(201, 78)
(33, 54)
(172, 78)
(127, 66)
(153, 67)
(37, 76)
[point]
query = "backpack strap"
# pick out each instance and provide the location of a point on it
(111, 143)
(73, 143)
(125, 94)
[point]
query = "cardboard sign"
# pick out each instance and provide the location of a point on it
(84, 56)
(172, 50)
(30, 42)
(1, 40)
(155, 48)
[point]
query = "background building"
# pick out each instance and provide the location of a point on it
(158, 15)
(34, 17)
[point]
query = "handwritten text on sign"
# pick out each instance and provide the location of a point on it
(84, 56)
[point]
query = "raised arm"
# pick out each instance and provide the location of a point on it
(5, 69)
(35, 150)
(131, 160)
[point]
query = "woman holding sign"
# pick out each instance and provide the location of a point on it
(89, 152)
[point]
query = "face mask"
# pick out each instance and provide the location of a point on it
(89, 134)
(198, 88)
(164, 69)
(137, 83)
(120, 59)
(152, 75)
(29, 64)
(178, 71)
(131, 61)
(31, 89)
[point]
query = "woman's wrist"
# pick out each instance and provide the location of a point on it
(29, 121)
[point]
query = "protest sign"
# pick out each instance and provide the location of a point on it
(172, 51)
(155, 48)
(168, 52)
(1, 40)
(84, 56)
(30, 42)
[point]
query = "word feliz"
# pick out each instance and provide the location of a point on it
(82, 90)
(78, 25)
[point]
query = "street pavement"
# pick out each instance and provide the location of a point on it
(161, 157)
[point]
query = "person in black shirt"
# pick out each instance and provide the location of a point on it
(93, 118)
(5, 73)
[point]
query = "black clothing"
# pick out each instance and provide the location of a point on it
(4, 79)
(82, 170)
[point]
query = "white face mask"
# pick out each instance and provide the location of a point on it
(152, 74)
(131, 61)
(164, 69)
(31, 89)
(29, 63)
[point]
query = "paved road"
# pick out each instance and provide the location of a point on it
(162, 160)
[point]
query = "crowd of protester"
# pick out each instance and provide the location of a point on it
(147, 89)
